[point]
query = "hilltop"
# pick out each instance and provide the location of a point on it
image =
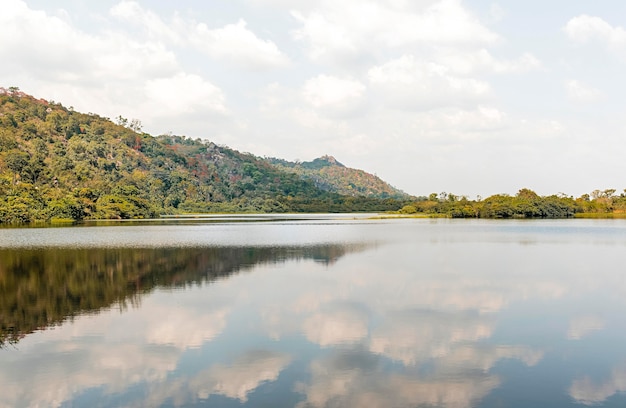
(330, 175)
(56, 163)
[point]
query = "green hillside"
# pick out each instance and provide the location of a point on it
(56, 163)
(330, 175)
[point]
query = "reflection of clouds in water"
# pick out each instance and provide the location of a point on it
(340, 324)
(109, 349)
(403, 314)
(416, 335)
(235, 380)
(585, 391)
(244, 374)
(44, 381)
(356, 379)
(581, 326)
(184, 328)
(467, 358)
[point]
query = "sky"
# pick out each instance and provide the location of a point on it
(474, 97)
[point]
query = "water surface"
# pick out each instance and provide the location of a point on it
(314, 312)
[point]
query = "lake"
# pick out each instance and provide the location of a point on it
(314, 311)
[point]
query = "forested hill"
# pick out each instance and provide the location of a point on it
(56, 163)
(330, 175)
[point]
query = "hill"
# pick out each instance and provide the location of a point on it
(56, 163)
(330, 175)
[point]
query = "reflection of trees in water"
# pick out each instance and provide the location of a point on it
(43, 287)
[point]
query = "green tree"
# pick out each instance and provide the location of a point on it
(16, 160)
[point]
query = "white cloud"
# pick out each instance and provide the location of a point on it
(584, 29)
(237, 44)
(580, 92)
(481, 61)
(409, 83)
(496, 12)
(154, 26)
(183, 94)
(57, 51)
(351, 30)
(232, 43)
(335, 96)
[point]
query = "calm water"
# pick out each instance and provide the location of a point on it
(314, 312)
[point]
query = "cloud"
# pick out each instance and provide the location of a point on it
(481, 61)
(352, 30)
(154, 26)
(585, 29)
(408, 83)
(54, 50)
(183, 94)
(336, 97)
(580, 92)
(235, 43)
(232, 43)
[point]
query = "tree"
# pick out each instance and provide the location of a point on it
(135, 125)
(121, 121)
(16, 160)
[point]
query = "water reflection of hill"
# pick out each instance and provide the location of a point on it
(44, 287)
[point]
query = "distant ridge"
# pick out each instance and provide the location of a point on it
(329, 174)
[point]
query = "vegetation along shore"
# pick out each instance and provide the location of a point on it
(59, 165)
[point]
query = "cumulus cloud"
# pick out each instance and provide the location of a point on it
(334, 96)
(585, 29)
(348, 31)
(55, 50)
(183, 94)
(580, 92)
(152, 23)
(237, 44)
(409, 83)
(233, 43)
(482, 61)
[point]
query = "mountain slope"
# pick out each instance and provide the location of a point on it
(330, 175)
(57, 163)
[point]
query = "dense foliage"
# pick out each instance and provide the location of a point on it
(58, 164)
(330, 175)
(525, 204)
